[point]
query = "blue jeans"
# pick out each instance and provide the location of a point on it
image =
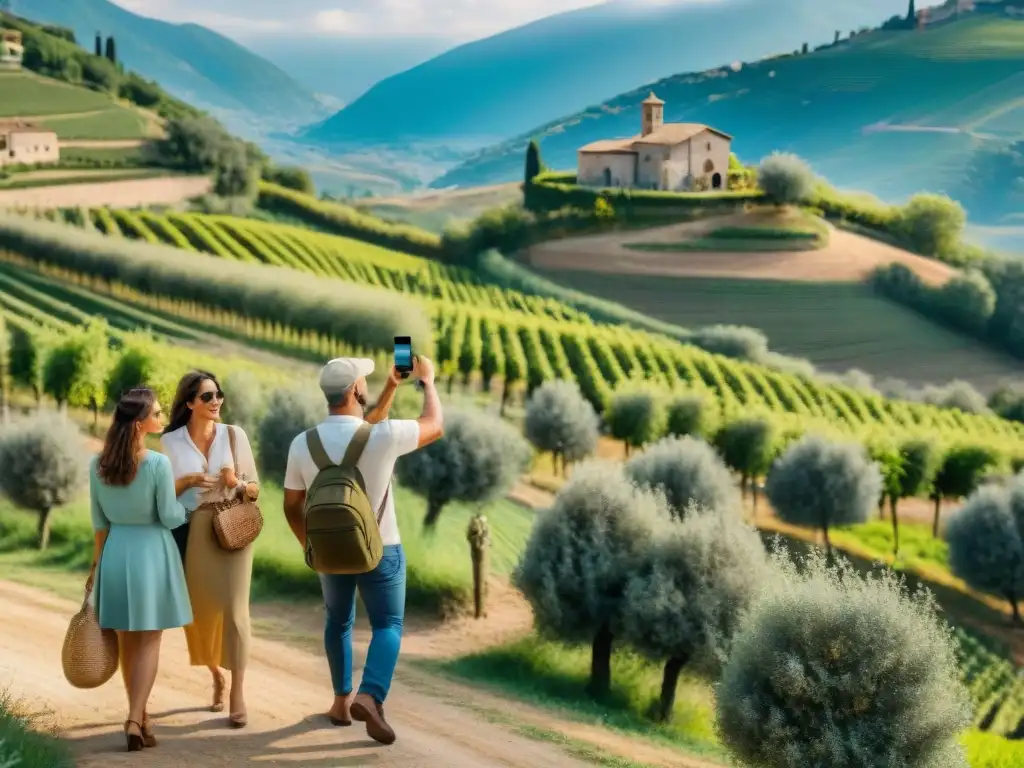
(383, 593)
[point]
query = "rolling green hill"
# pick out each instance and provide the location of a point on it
(193, 62)
(891, 112)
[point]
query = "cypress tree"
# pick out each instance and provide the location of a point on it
(533, 164)
(111, 50)
(99, 44)
(911, 15)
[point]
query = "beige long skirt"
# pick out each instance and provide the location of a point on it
(218, 586)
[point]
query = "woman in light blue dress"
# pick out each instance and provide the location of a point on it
(139, 580)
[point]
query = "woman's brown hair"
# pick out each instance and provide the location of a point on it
(188, 388)
(119, 460)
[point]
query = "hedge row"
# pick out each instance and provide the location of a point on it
(552, 191)
(363, 317)
(342, 220)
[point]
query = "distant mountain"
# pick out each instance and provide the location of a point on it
(498, 87)
(892, 112)
(344, 67)
(192, 62)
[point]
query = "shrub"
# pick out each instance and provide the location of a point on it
(686, 470)
(290, 412)
(580, 556)
(958, 395)
(736, 341)
(821, 484)
(967, 301)
(76, 371)
(290, 177)
(685, 602)
(561, 421)
(42, 465)
(479, 458)
(932, 224)
(959, 474)
(636, 417)
(831, 668)
(1008, 401)
(986, 542)
(690, 415)
(234, 174)
(245, 402)
(785, 179)
(747, 446)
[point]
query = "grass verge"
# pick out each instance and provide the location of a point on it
(439, 568)
(24, 743)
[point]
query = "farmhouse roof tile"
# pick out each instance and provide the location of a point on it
(670, 134)
(610, 147)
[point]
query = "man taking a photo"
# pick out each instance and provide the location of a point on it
(343, 382)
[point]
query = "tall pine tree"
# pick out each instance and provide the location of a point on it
(533, 162)
(99, 44)
(912, 15)
(111, 50)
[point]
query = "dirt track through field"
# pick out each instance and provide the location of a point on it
(847, 257)
(287, 690)
(118, 194)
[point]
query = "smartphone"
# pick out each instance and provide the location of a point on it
(403, 356)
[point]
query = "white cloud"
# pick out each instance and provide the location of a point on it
(457, 19)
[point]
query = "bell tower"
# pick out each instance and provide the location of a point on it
(653, 114)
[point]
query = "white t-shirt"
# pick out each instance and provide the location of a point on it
(388, 440)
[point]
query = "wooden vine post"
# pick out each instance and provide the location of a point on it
(479, 537)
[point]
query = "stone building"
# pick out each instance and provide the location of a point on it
(664, 156)
(27, 144)
(11, 49)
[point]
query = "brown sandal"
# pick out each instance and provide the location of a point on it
(135, 742)
(218, 693)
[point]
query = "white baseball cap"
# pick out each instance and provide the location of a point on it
(338, 376)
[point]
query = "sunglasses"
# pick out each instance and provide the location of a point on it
(207, 397)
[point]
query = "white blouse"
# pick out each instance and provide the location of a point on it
(186, 458)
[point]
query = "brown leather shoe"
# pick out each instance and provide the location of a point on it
(368, 710)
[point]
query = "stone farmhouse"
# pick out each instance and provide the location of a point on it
(11, 49)
(665, 156)
(27, 144)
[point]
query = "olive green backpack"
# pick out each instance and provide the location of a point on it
(342, 533)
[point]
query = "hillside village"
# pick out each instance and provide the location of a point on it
(702, 412)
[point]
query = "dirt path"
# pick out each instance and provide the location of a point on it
(287, 689)
(118, 194)
(847, 257)
(103, 143)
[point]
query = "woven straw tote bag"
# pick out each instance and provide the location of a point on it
(90, 654)
(237, 521)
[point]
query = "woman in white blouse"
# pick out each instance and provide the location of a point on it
(218, 580)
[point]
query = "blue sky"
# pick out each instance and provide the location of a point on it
(453, 19)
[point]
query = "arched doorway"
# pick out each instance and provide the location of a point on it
(607, 177)
(716, 181)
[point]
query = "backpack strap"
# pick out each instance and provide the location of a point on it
(356, 446)
(316, 450)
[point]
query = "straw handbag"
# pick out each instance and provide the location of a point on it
(89, 656)
(236, 521)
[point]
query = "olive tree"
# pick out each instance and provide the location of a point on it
(636, 417)
(580, 556)
(43, 464)
(141, 364)
(821, 484)
(747, 446)
(561, 421)
(833, 668)
(479, 458)
(690, 414)
(932, 224)
(959, 474)
(290, 412)
(737, 341)
(685, 470)
(684, 604)
(986, 542)
(785, 178)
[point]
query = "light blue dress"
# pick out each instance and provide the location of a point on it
(140, 582)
